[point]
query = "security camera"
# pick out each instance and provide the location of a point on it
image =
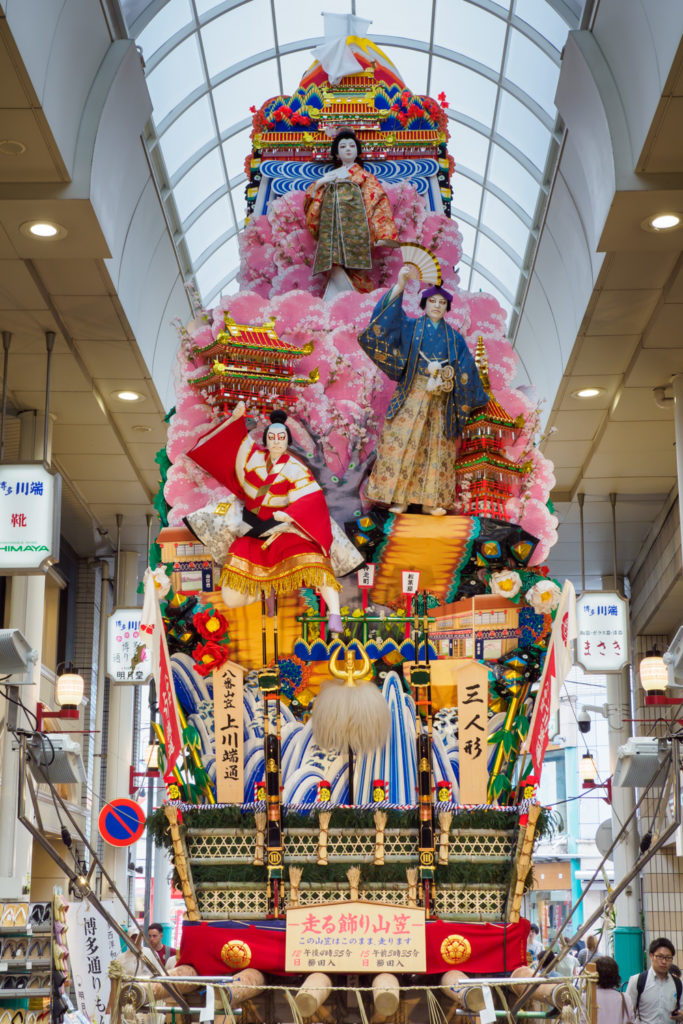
(584, 720)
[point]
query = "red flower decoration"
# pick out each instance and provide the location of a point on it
(252, 109)
(210, 624)
(441, 97)
(445, 105)
(285, 111)
(209, 656)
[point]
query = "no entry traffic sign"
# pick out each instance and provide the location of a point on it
(121, 822)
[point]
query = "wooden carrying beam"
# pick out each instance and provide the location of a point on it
(182, 864)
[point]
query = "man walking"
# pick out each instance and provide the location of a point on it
(656, 994)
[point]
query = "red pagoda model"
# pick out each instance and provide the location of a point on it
(485, 477)
(251, 363)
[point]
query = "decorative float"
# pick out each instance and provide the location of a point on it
(354, 693)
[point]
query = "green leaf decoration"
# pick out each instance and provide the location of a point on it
(521, 725)
(509, 742)
(497, 736)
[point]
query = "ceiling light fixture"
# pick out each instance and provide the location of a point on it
(665, 221)
(587, 392)
(43, 230)
(128, 396)
(141, 428)
(661, 223)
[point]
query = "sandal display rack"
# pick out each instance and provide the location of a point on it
(26, 958)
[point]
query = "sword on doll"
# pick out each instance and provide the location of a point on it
(421, 678)
(269, 683)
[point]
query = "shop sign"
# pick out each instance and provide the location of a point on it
(93, 945)
(356, 937)
(602, 643)
(30, 510)
(128, 657)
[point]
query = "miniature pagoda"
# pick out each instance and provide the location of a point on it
(246, 362)
(485, 476)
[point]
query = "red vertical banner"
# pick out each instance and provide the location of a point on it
(152, 627)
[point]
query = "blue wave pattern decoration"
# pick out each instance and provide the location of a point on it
(292, 175)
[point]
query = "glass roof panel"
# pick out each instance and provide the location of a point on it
(220, 34)
(217, 267)
(496, 61)
(204, 178)
(399, 18)
(301, 20)
(178, 74)
(530, 69)
(541, 17)
(480, 283)
(470, 30)
(213, 223)
(500, 218)
(234, 97)
(187, 135)
(518, 125)
(469, 148)
(466, 91)
(171, 18)
(511, 177)
(491, 256)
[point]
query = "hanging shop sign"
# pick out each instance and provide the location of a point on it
(602, 643)
(30, 511)
(356, 936)
(128, 657)
(228, 708)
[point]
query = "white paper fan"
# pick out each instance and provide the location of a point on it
(424, 261)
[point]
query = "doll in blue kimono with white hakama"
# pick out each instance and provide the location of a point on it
(438, 387)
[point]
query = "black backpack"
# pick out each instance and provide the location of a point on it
(640, 987)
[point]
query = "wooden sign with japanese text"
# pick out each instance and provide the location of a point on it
(228, 681)
(472, 680)
(357, 937)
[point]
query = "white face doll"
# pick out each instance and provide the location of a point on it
(276, 440)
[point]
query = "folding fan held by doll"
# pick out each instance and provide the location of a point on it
(422, 260)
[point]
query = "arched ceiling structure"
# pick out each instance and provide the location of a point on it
(497, 61)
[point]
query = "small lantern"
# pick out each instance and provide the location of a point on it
(654, 675)
(260, 791)
(324, 791)
(588, 770)
(69, 689)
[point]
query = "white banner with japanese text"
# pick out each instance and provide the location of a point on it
(92, 945)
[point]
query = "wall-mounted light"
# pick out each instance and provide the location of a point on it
(68, 694)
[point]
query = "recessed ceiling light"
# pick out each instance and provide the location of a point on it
(128, 396)
(140, 428)
(588, 392)
(662, 222)
(43, 230)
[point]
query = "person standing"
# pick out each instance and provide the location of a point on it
(534, 944)
(613, 1006)
(589, 952)
(656, 994)
(155, 933)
